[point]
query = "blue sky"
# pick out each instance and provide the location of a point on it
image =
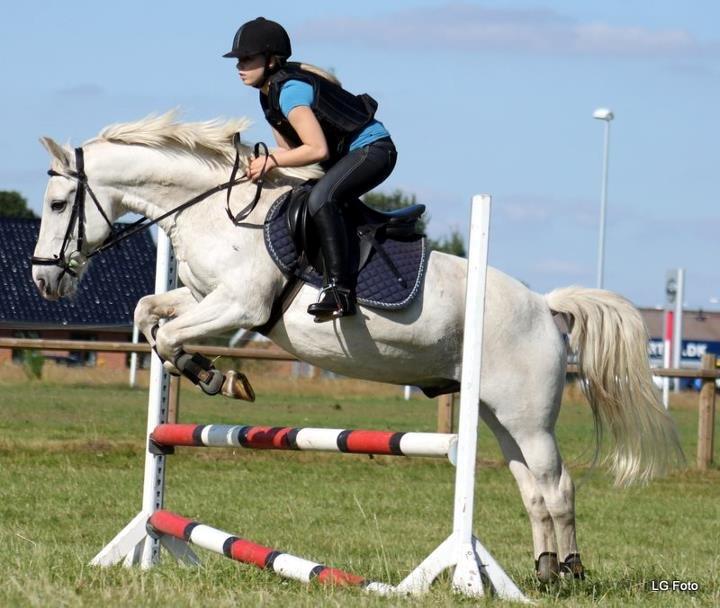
(490, 97)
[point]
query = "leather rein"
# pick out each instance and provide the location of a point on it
(77, 258)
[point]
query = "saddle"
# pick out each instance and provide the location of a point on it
(387, 253)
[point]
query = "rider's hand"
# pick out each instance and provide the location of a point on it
(256, 164)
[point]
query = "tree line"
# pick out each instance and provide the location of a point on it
(13, 204)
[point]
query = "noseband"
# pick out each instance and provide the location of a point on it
(78, 258)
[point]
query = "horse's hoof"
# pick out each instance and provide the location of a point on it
(211, 382)
(572, 566)
(237, 386)
(547, 568)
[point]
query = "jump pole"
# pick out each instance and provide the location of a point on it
(169, 526)
(166, 437)
(132, 545)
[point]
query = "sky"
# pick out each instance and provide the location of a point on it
(480, 97)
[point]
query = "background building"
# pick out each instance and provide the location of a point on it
(700, 335)
(102, 308)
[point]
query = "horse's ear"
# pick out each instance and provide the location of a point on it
(58, 152)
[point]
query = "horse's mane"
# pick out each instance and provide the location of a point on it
(211, 139)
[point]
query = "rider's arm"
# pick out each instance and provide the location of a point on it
(313, 149)
(314, 146)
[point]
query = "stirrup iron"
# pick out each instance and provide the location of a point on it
(334, 302)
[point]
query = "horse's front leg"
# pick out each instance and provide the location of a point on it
(152, 309)
(217, 313)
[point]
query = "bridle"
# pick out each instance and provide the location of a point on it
(78, 258)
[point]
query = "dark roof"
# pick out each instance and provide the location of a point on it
(697, 324)
(106, 297)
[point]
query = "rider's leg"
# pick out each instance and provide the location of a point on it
(353, 175)
(338, 297)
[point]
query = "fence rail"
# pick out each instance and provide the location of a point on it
(272, 353)
(671, 372)
(143, 347)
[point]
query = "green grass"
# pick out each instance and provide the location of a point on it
(71, 477)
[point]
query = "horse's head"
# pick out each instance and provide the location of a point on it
(76, 217)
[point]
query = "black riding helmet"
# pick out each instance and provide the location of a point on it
(261, 37)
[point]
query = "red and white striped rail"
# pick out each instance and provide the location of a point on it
(313, 439)
(241, 550)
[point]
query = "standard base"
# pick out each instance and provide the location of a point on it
(474, 568)
(134, 546)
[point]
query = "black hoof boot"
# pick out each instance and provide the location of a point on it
(200, 371)
(335, 301)
(212, 382)
(572, 566)
(547, 568)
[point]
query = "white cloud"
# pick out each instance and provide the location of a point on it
(471, 28)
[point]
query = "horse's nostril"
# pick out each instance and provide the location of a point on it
(41, 285)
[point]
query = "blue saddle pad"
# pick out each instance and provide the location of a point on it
(377, 285)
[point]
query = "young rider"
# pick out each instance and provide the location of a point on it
(315, 120)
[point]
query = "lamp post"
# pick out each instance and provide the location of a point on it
(605, 115)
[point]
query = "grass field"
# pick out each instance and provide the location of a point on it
(71, 450)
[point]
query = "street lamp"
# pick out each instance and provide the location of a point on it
(605, 115)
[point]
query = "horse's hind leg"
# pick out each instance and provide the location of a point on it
(542, 456)
(547, 567)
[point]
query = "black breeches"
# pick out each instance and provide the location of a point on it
(354, 174)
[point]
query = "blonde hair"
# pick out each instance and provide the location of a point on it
(309, 67)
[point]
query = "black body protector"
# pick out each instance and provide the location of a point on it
(340, 113)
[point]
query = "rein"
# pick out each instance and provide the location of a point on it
(244, 213)
(77, 258)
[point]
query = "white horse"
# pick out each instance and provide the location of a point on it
(230, 282)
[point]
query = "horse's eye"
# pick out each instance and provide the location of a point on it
(58, 206)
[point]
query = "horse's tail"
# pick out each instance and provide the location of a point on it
(610, 339)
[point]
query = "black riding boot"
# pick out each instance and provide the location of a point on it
(337, 298)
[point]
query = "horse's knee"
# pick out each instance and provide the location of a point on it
(151, 308)
(143, 312)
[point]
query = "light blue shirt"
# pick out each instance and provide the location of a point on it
(296, 93)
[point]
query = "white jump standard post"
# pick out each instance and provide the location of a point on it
(133, 545)
(461, 549)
